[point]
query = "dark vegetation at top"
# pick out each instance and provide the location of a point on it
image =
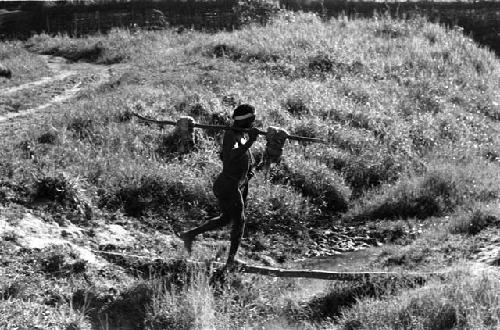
(77, 19)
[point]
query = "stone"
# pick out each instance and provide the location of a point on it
(31, 232)
(5, 71)
(114, 236)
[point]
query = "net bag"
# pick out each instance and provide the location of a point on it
(276, 138)
(185, 133)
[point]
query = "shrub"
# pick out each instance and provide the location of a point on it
(310, 129)
(153, 194)
(441, 190)
(89, 53)
(346, 295)
(75, 52)
(61, 261)
(88, 49)
(464, 301)
(124, 116)
(223, 50)
(296, 106)
(64, 192)
(277, 208)
(171, 312)
(396, 232)
(57, 188)
(12, 290)
(359, 119)
(82, 127)
(369, 169)
(171, 145)
(321, 63)
(13, 192)
(48, 138)
(474, 220)
(244, 55)
(129, 309)
(325, 188)
(352, 141)
(372, 169)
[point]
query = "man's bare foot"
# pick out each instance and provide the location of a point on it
(188, 241)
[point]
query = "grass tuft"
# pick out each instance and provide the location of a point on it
(465, 300)
(153, 194)
(223, 50)
(129, 309)
(88, 49)
(55, 188)
(440, 191)
(63, 194)
(345, 295)
(325, 188)
(296, 106)
(475, 219)
(48, 138)
(82, 127)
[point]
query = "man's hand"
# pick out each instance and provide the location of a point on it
(253, 133)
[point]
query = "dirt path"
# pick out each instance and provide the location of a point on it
(67, 81)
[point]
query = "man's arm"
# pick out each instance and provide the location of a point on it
(232, 149)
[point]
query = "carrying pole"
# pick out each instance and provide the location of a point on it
(226, 128)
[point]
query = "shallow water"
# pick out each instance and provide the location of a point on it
(360, 260)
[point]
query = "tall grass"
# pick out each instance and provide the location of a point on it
(442, 190)
(409, 110)
(25, 66)
(388, 111)
(465, 300)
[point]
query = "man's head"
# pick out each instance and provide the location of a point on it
(244, 116)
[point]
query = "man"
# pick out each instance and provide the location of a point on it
(231, 186)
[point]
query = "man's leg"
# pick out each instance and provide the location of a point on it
(238, 218)
(189, 236)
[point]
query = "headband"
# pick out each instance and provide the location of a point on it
(245, 116)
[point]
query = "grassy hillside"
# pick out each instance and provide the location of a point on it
(25, 66)
(410, 110)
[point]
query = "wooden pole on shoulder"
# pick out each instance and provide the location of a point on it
(226, 128)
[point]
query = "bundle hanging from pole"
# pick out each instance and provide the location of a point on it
(185, 131)
(276, 138)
